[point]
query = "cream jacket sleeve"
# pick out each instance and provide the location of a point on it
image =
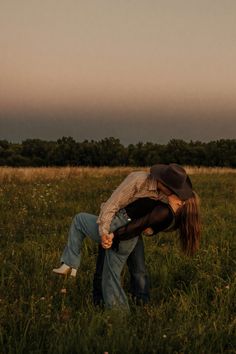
(121, 197)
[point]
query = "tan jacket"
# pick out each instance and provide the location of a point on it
(136, 185)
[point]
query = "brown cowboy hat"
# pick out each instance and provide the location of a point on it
(175, 178)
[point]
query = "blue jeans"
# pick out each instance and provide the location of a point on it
(83, 225)
(139, 283)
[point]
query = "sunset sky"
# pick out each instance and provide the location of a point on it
(137, 70)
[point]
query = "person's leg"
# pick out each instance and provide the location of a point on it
(113, 292)
(97, 278)
(139, 282)
(83, 225)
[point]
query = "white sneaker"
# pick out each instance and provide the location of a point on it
(63, 269)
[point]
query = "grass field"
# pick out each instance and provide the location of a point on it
(193, 300)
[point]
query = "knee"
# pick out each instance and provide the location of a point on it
(139, 283)
(78, 219)
(140, 277)
(79, 216)
(137, 265)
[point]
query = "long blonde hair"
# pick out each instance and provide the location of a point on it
(190, 225)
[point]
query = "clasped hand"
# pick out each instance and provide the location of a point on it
(148, 231)
(106, 240)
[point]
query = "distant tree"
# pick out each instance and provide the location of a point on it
(152, 154)
(137, 154)
(18, 161)
(197, 153)
(7, 151)
(87, 153)
(178, 151)
(64, 152)
(36, 151)
(110, 152)
(4, 144)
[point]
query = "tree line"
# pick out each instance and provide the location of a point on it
(110, 152)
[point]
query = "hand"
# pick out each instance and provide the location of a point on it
(148, 231)
(107, 240)
(175, 202)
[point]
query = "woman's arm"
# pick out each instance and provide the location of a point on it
(158, 219)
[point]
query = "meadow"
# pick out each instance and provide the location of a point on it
(193, 300)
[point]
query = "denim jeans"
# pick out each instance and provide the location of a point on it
(139, 282)
(83, 225)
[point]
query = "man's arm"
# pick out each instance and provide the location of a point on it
(121, 197)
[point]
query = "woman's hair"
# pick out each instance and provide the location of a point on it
(189, 225)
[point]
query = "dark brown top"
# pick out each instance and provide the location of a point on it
(146, 212)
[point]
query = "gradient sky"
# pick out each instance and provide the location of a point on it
(137, 70)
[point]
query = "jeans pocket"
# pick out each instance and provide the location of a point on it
(120, 219)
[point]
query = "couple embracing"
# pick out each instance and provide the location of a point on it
(145, 203)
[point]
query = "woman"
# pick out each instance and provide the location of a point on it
(159, 217)
(181, 212)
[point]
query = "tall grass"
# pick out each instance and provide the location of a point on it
(192, 307)
(57, 173)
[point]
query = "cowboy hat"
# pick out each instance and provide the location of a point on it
(175, 178)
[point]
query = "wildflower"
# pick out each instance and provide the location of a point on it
(164, 336)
